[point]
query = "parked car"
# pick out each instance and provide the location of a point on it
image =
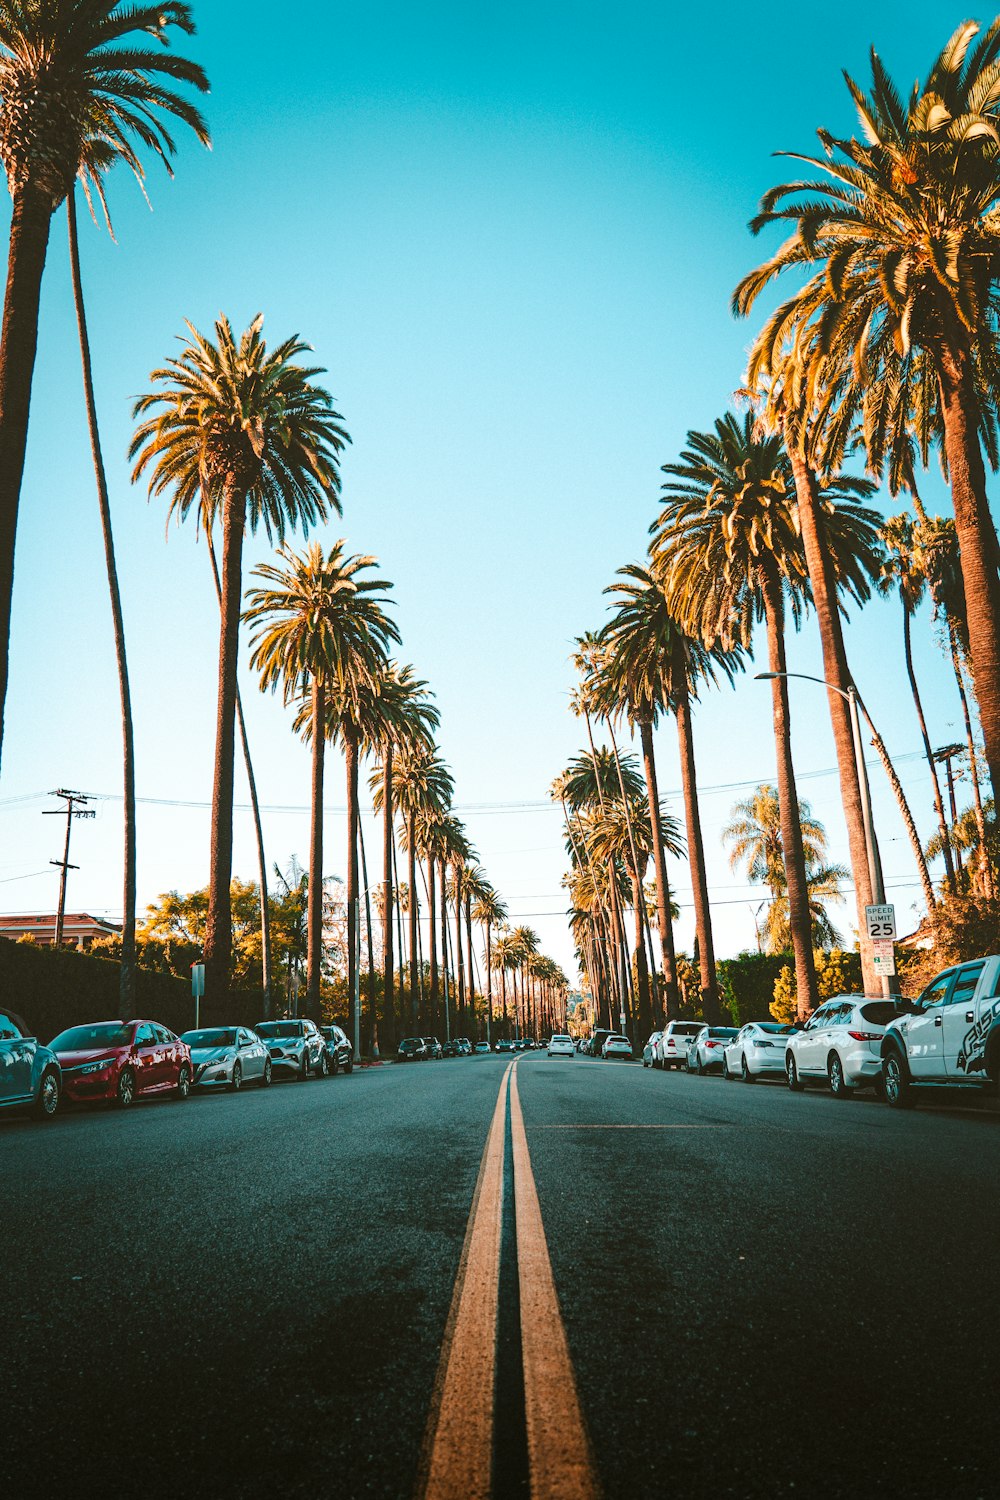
(840, 1045)
(411, 1049)
(504, 1046)
(648, 1052)
(756, 1051)
(451, 1048)
(433, 1046)
(228, 1057)
(464, 1046)
(706, 1047)
(949, 1035)
(483, 1049)
(616, 1046)
(115, 1062)
(295, 1047)
(561, 1045)
(671, 1050)
(597, 1040)
(339, 1049)
(30, 1075)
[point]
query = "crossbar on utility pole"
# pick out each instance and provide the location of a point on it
(69, 812)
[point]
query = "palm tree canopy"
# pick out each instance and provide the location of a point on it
(422, 784)
(80, 89)
(754, 838)
(320, 620)
(233, 418)
(401, 713)
(489, 909)
(611, 833)
(589, 778)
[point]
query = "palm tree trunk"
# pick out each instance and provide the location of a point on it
(641, 967)
(799, 916)
(351, 758)
(443, 878)
(986, 870)
(977, 540)
(432, 944)
(660, 866)
(126, 985)
(314, 906)
(644, 1001)
(489, 978)
(411, 836)
(29, 238)
(949, 865)
(472, 962)
(905, 813)
(459, 960)
(265, 911)
(388, 1001)
(401, 988)
(696, 857)
(219, 925)
(371, 1040)
(837, 675)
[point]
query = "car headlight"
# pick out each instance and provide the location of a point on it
(98, 1067)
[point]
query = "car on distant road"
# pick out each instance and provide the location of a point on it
(949, 1035)
(504, 1045)
(227, 1057)
(295, 1046)
(561, 1045)
(706, 1047)
(433, 1046)
(464, 1046)
(756, 1051)
(117, 1062)
(671, 1050)
(483, 1049)
(339, 1049)
(840, 1045)
(30, 1075)
(616, 1046)
(411, 1049)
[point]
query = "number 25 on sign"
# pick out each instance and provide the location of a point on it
(880, 921)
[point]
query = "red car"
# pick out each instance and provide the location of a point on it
(117, 1061)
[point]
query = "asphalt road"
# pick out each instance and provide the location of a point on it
(762, 1294)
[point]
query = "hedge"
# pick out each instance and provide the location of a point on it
(55, 988)
(747, 984)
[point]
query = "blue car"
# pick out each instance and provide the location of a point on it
(30, 1076)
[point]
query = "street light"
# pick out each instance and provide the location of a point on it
(871, 845)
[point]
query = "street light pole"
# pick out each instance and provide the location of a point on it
(871, 843)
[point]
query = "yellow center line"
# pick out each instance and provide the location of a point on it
(560, 1463)
(458, 1447)
(630, 1127)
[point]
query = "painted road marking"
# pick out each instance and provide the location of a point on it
(560, 1463)
(458, 1448)
(631, 1127)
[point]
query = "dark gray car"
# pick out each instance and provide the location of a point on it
(295, 1047)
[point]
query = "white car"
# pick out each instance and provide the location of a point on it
(617, 1046)
(671, 1049)
(227, 1057)
(706, 1048)
(756, 1051)
(561, 1046)
(950, 1035)
(840, 1045)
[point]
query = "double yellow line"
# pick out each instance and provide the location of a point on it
(458, 1449)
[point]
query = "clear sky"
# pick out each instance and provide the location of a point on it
(511, 236)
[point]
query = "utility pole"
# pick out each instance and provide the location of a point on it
(75, 808)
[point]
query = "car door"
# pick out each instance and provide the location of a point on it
(16, 1054)
(168, 1058)
(924, 1031)
(144, 1050)
(832, 1035)
(252, 1054)
(807, 1049)
(958, 1022)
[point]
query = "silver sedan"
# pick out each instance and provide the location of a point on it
(227, 1057)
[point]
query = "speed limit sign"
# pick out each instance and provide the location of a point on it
(881, 921)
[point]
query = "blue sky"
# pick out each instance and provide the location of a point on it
(511, 238)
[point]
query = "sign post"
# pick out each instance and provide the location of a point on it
(880, 922)
(197, 990)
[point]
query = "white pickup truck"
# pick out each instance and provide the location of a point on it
(949, 1036)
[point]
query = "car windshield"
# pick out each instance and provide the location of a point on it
(773, 1027)
(220, 1037)
(279, 1028)
(92, 1038)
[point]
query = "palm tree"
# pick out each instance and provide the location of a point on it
(456, 853)
(898, 234)
(490, 911)
(505, 959)
(234, 431)
(525, 946)
(754, 837)
(421, 784)
(322, 636)
(79, 90)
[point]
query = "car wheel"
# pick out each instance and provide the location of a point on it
(47, 1103)
(839, 1087)
(745, 1072)
(303, 1072)
(237, 1079)
(349, 1065)
(725, 1070)
(701, 1069)
(792, 1075)
(324, 1066)
(335, 1065)
(183, 1082)
(125, 1092)
(898, 1089)
(265, 1077)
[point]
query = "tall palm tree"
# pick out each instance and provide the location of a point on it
(421, 784)
(898, 236)
(727, 548)
(79, 89)
(505, 958)
(525, 946)
(653, 666)
(245, 435)
(322, 634)
(456, 853)
(490, 911)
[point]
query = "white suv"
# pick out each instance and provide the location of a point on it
(950, 1035)
(672, 1049)
(561, 1045)
(840, 1045)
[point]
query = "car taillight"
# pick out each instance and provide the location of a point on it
(713, 1044)
(762, 1044)
(671, 1042)
(866, 1036)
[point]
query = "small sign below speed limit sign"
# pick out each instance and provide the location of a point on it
(881, 921)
